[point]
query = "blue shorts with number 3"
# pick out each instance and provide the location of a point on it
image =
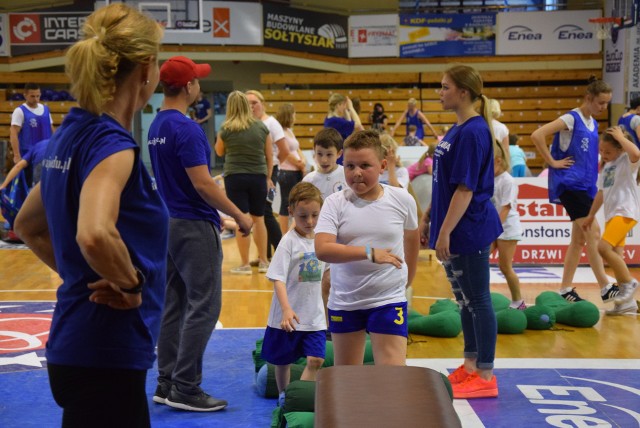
(387, 319)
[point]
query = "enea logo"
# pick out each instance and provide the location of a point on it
(25, 28)
(520, 32)
(572, 32)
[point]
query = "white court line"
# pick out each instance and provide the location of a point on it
(28, 291)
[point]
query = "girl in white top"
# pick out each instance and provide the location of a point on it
(505, 199)
(292, 169)
(395, 174)
(500, 130)
(617, 189)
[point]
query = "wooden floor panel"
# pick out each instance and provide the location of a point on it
(246, 301)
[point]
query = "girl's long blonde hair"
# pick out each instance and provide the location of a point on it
(239, 115)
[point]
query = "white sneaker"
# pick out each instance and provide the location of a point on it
(263, 267)
(626, 293)
(630, 307)
(241, 270)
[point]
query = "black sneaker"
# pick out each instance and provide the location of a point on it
(162, 392)
(201, 402)
(571, 295)
(612, 290)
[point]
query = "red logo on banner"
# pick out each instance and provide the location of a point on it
(362, 35)
(221, 22)
(25, 28)
(23, 332)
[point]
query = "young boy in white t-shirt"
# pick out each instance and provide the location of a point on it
(369, 234)
(296, 325)
(617, 190)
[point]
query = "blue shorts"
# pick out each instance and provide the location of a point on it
(387, 319)
(281, 348)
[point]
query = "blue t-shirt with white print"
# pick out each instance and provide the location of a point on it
(84, 333)
(465, 156)
(176, 143)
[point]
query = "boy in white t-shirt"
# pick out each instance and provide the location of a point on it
(329, 178)
(369, 234)
(505, 199)
(617, 190)
(296, 326)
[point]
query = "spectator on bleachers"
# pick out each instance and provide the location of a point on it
(292, 169)
(412, 139)
(342, 117)
(394, 174)
(414, 117)
(378, 119)
(518, 158)
(500, 130)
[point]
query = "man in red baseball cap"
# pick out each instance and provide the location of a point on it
(180, 158)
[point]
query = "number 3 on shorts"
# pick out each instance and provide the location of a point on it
(400, 319)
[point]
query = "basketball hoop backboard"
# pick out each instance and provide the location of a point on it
(174, 15)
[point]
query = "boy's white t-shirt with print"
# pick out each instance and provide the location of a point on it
(618, 184)
(380, 224)
(327, 183)
(295, 263)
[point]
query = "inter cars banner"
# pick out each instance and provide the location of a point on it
(224, 23)
(373, 36)
(547, 228)
(41, 32)
(542, 33)
(4, 35)
(300, 30)
(432, 35)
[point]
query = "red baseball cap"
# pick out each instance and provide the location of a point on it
(177, 71)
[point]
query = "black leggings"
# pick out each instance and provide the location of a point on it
(98, 397)
(274, 234)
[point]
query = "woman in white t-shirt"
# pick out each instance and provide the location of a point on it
(292, 169)
(617, 189)
(500, 130)
(505, 199)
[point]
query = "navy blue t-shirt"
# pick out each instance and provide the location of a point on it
(201, 108)
(465, 156)
(83, 333)
(343, 126)
(175, 143)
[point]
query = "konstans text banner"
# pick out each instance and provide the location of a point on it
(4, 35)
(301, 30)
(541, 33)
(432, 35)
(547, 228)
(373, 36)
(41, 32)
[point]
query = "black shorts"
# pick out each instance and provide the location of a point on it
(248, 192)
(287, 179)
(577, 203)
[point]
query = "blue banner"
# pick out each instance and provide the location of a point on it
(433, 35)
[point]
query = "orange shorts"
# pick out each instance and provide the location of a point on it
(616, 230)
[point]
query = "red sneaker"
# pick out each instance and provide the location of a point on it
(476, 387)
(458, 375)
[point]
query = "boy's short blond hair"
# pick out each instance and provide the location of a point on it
(413, 128)
(368, 139)
(304, 191)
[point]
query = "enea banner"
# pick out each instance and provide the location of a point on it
(224, 23)
(373, 36)
(41, 32)
(435, 35)
(541, 33)
(4, 35)
(300, 30)
(547, 228)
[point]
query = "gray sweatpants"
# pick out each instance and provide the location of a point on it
(192, 302)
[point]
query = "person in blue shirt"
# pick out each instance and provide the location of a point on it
(180, 156)
(202, 109)
(573, 172)
(461, 224)
(33, 158)
(342, 117)
(630, 121)
(96, 218)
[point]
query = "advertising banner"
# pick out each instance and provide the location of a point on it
(224, 23)
(41, 32)
(633, 82)
(544, 33)
(433, 35)
(4, 35)
(301, 30)
(373, 36)
(613, 68)
(547, 228)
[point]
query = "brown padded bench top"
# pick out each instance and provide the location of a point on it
(382, 396)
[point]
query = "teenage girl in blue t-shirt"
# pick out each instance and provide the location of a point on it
(463, 223)
(573, 171)
(97, 219)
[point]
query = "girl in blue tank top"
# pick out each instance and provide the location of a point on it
(630, 121)
(573, 171)
(415, 117)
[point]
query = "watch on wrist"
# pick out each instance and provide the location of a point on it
(138, 288)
